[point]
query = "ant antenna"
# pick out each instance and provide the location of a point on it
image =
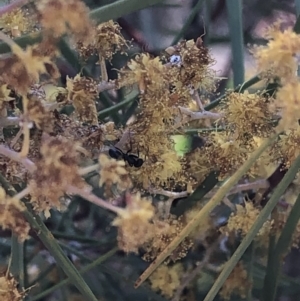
(199, 41)
(130, 142)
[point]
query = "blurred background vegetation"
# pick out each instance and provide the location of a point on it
(84, 231)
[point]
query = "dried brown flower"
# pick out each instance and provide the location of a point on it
(113, 172)
(11, 216)
(55, 171)
(9, 288)
(66, 14)
(134, 227)
(166, 279)
(163, 232)
(83, 91)
(237, 283)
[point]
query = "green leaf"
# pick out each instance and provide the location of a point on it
(241, 88)
(23, 41)
(234, 13)
(262, 217)
(205, 211)
(87, 268)
(17, 260)
(106, 112)
(120, 8)
(207, 185)
(297, 24)
(188, 22)
(280, 250)
(297, 4)
(182, 144)
(51, 244)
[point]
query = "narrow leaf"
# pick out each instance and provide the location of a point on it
(262, 217)
(282, 245)
(204, 212)
(234, 13)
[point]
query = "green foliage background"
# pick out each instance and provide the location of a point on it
(109, 274)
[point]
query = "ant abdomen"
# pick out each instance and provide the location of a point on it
(133, 160)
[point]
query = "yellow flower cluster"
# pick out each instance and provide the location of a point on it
(278, 60)
(9, 288)
(134, 227)
(56, 170)
(242, 220)
(83, 92)
(166, 279)
(66, 14)
(237, 283)
(11, 216)
(248, 114)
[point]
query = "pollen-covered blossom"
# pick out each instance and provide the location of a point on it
(107, 41)
(66, 14)
(288, 146)
(237, 283)
(248, 115)
(4, 99)
(134, 223)
(266, 164)
(56, 169)
(163, 233)
(83, 93)
(24, 67)
(278, 59)
(288, 100)
(113, 172)
(148, 72)
(162, 162)
(196, 164)
(166, 279)
(39, 115)
(16, 22)
(225, 153)
(152, 128)
(194, 65)
(9, 288)
(11, 216)
(242, 220)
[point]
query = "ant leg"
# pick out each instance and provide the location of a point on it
(130, 143)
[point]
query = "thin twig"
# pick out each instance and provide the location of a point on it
(124, 139)
(189, 276)
(22, 193)
(16, 138)
(171, 197)
(86, 194)
(12, 6)
(85, 170)
(16, 157)
(105, 85)
(104, 75)
(26, 125)
(243, 187)
(9, 121)
(169, 194)
(199, 115)
(228, 203)
(196, 97)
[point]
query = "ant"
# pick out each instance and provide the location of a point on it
(133, 160)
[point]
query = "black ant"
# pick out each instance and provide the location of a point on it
(133, 160)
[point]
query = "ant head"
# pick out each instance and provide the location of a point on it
(115, 153)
